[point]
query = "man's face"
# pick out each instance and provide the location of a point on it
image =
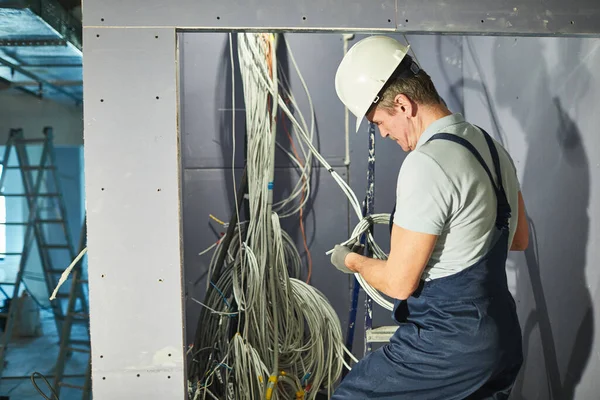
(392, 125)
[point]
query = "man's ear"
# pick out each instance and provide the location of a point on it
(403, 103)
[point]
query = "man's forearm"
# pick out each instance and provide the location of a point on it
(373, 270)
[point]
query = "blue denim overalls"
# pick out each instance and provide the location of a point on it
(458, 336)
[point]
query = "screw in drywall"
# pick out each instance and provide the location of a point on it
(156, 37)
(169, 377)
(304, 18)
(101, 100)
(389, 20)
(103, 275)
(169, 354)
(159, 189)
(97, 35)
(101, 356)
(103, 378)
(218, 17)
(102, 19)
(138, 375)
(157, 97)
(160, 279)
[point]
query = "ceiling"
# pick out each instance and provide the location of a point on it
(40, 49)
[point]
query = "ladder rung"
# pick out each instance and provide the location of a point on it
(29, 195)
(80, 315)
(11, 254)
(7, 283)
(382, 334)
(78, 349)
(25, 141)
(62, 295)
(56, 246)
(82, 281)
(80, 342)
(50, 221)
(29, 168)
(3, 315)
(14, 223)
(64, 384)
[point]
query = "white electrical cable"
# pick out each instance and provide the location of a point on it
(288, 326)
(65, 275)
(289, 338)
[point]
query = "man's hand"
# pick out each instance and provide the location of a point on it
(338, 257)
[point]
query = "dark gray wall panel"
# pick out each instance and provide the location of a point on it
(206, 97)
(304, 14)
(210, 191)
(546, 118)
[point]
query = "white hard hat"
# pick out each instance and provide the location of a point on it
(364, 70)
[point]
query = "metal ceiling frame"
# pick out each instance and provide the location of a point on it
(68, 32)
(66, 25)
(132, 169)
(41, 81)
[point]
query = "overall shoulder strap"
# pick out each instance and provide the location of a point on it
(503, 210)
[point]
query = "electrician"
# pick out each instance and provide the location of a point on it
(459, 210)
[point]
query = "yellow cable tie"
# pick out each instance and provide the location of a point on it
(282, 373)
(273, 378)
(300, 395)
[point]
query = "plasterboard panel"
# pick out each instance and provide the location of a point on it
(132, 188)
(513, 17)
(304, 14)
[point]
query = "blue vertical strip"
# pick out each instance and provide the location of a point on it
(354, 292)
(369, 209)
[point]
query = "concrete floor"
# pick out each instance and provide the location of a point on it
(27, 355)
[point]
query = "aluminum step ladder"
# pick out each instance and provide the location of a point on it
(77, 314)
(41, 192)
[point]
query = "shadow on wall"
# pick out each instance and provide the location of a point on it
(556, 189)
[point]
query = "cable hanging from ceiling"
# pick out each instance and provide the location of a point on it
(263, 333)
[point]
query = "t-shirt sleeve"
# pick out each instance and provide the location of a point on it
(423, 195)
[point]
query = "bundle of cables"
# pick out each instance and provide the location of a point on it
(264, 333)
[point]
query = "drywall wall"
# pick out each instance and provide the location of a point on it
(541, 96)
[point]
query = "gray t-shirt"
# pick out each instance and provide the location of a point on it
(443, 190)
